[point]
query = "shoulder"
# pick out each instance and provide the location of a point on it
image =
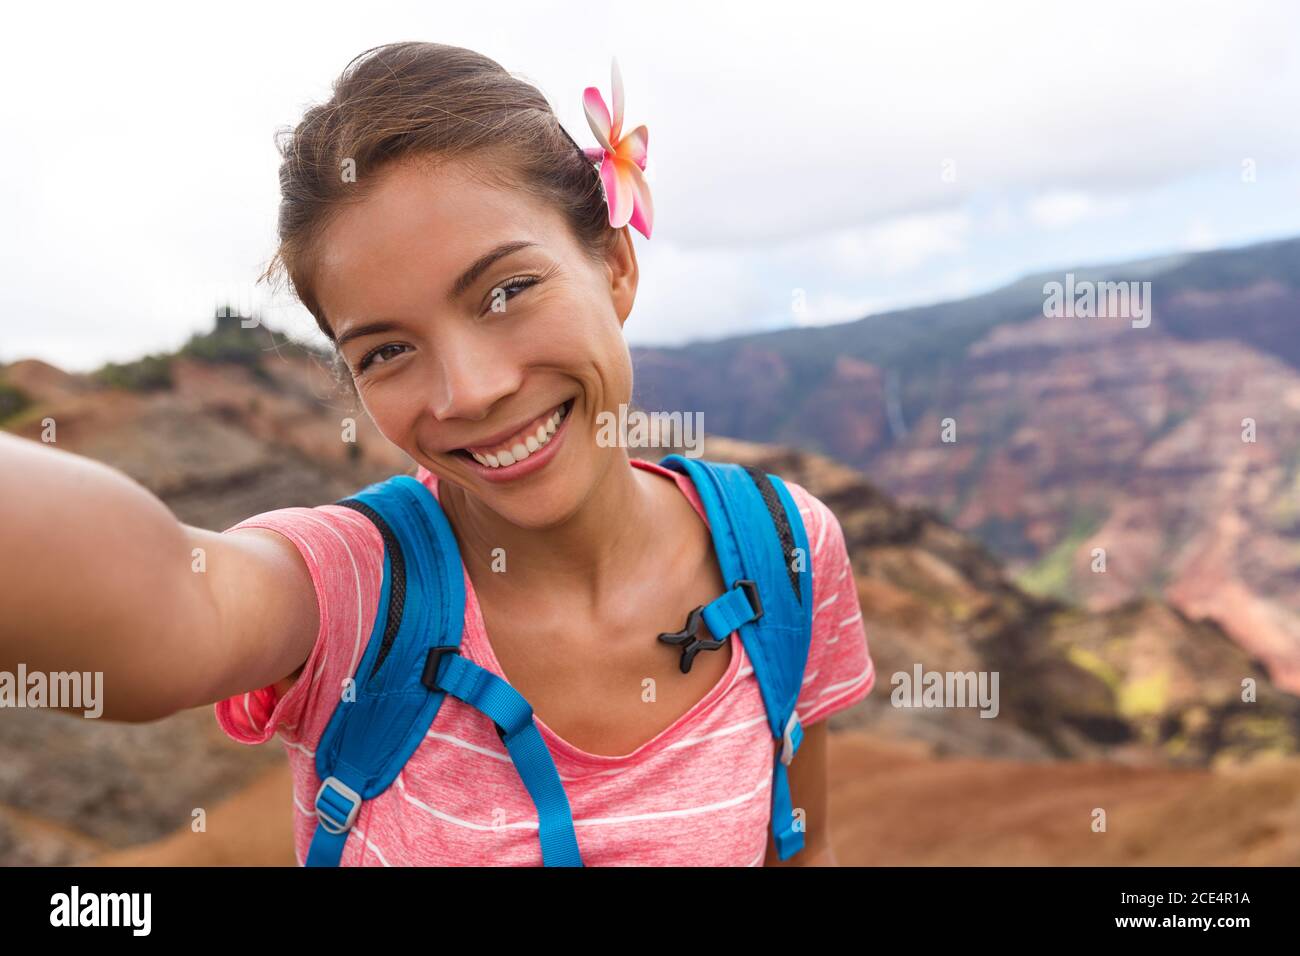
(819, 522)
(343, 554)
(339, 546)
(840, 671)
(323, 523)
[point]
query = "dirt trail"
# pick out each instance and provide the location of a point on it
(251, 828)
(892, 804)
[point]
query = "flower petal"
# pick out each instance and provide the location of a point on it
(617, 81)
(643, 211)
(597, 116)
(619, 190)
(633, 146)
(594, 153)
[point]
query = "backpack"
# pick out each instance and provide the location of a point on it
(412, 660)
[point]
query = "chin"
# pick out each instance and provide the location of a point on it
(547, 504)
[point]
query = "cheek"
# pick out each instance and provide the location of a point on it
(393, 409)
(589, 340)
(599, 361)
(613, 364)
(616, 373)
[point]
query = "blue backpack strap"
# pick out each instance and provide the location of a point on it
(411, 662)
(513, 717)
(762, 546)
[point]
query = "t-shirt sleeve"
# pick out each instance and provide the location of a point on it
(840, 672)
(344, 553)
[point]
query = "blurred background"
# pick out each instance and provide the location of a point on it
(857, 214)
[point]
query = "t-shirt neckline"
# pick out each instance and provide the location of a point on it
(481, 652)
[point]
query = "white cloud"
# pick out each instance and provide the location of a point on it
(1063, 208)
(1000, 220)
(898, 244)
(820, 280)
(792, 146)
(1200, 235)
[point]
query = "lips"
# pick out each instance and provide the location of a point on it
(502, 451)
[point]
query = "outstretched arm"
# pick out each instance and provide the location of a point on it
(96, 574)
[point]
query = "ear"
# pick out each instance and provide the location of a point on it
(623, 274)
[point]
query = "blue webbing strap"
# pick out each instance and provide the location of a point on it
(336, 809)
(725, 614)
(506, 707)
(788, 840)
(337, 803)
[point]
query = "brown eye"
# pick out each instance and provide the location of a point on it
(384, 353)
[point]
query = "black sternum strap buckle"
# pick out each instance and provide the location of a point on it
(727, 612)
(689, 639)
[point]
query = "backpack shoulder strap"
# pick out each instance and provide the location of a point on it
(762, 546)
(383, 715)
(411, 663)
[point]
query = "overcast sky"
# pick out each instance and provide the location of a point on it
(870, 155)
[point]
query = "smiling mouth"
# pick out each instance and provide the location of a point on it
(532, 438)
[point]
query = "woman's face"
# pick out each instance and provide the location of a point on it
(469, 315)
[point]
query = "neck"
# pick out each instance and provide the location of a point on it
(589, 556)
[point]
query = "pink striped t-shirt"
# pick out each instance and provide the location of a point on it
(698, 794)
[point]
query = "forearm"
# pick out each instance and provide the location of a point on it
(96, 576)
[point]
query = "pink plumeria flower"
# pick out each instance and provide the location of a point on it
(622, 159)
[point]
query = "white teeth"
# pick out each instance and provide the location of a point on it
(521, 450)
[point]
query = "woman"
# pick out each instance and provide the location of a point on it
(456, 246)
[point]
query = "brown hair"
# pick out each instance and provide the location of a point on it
(428, 102)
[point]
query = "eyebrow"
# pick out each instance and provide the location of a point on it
(483, 263)
(458, 288)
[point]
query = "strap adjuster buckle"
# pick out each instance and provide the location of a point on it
(334, 800)
(429, 678)
(751, 593)
(788, 742)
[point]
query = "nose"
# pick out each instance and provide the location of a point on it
(471, 379)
